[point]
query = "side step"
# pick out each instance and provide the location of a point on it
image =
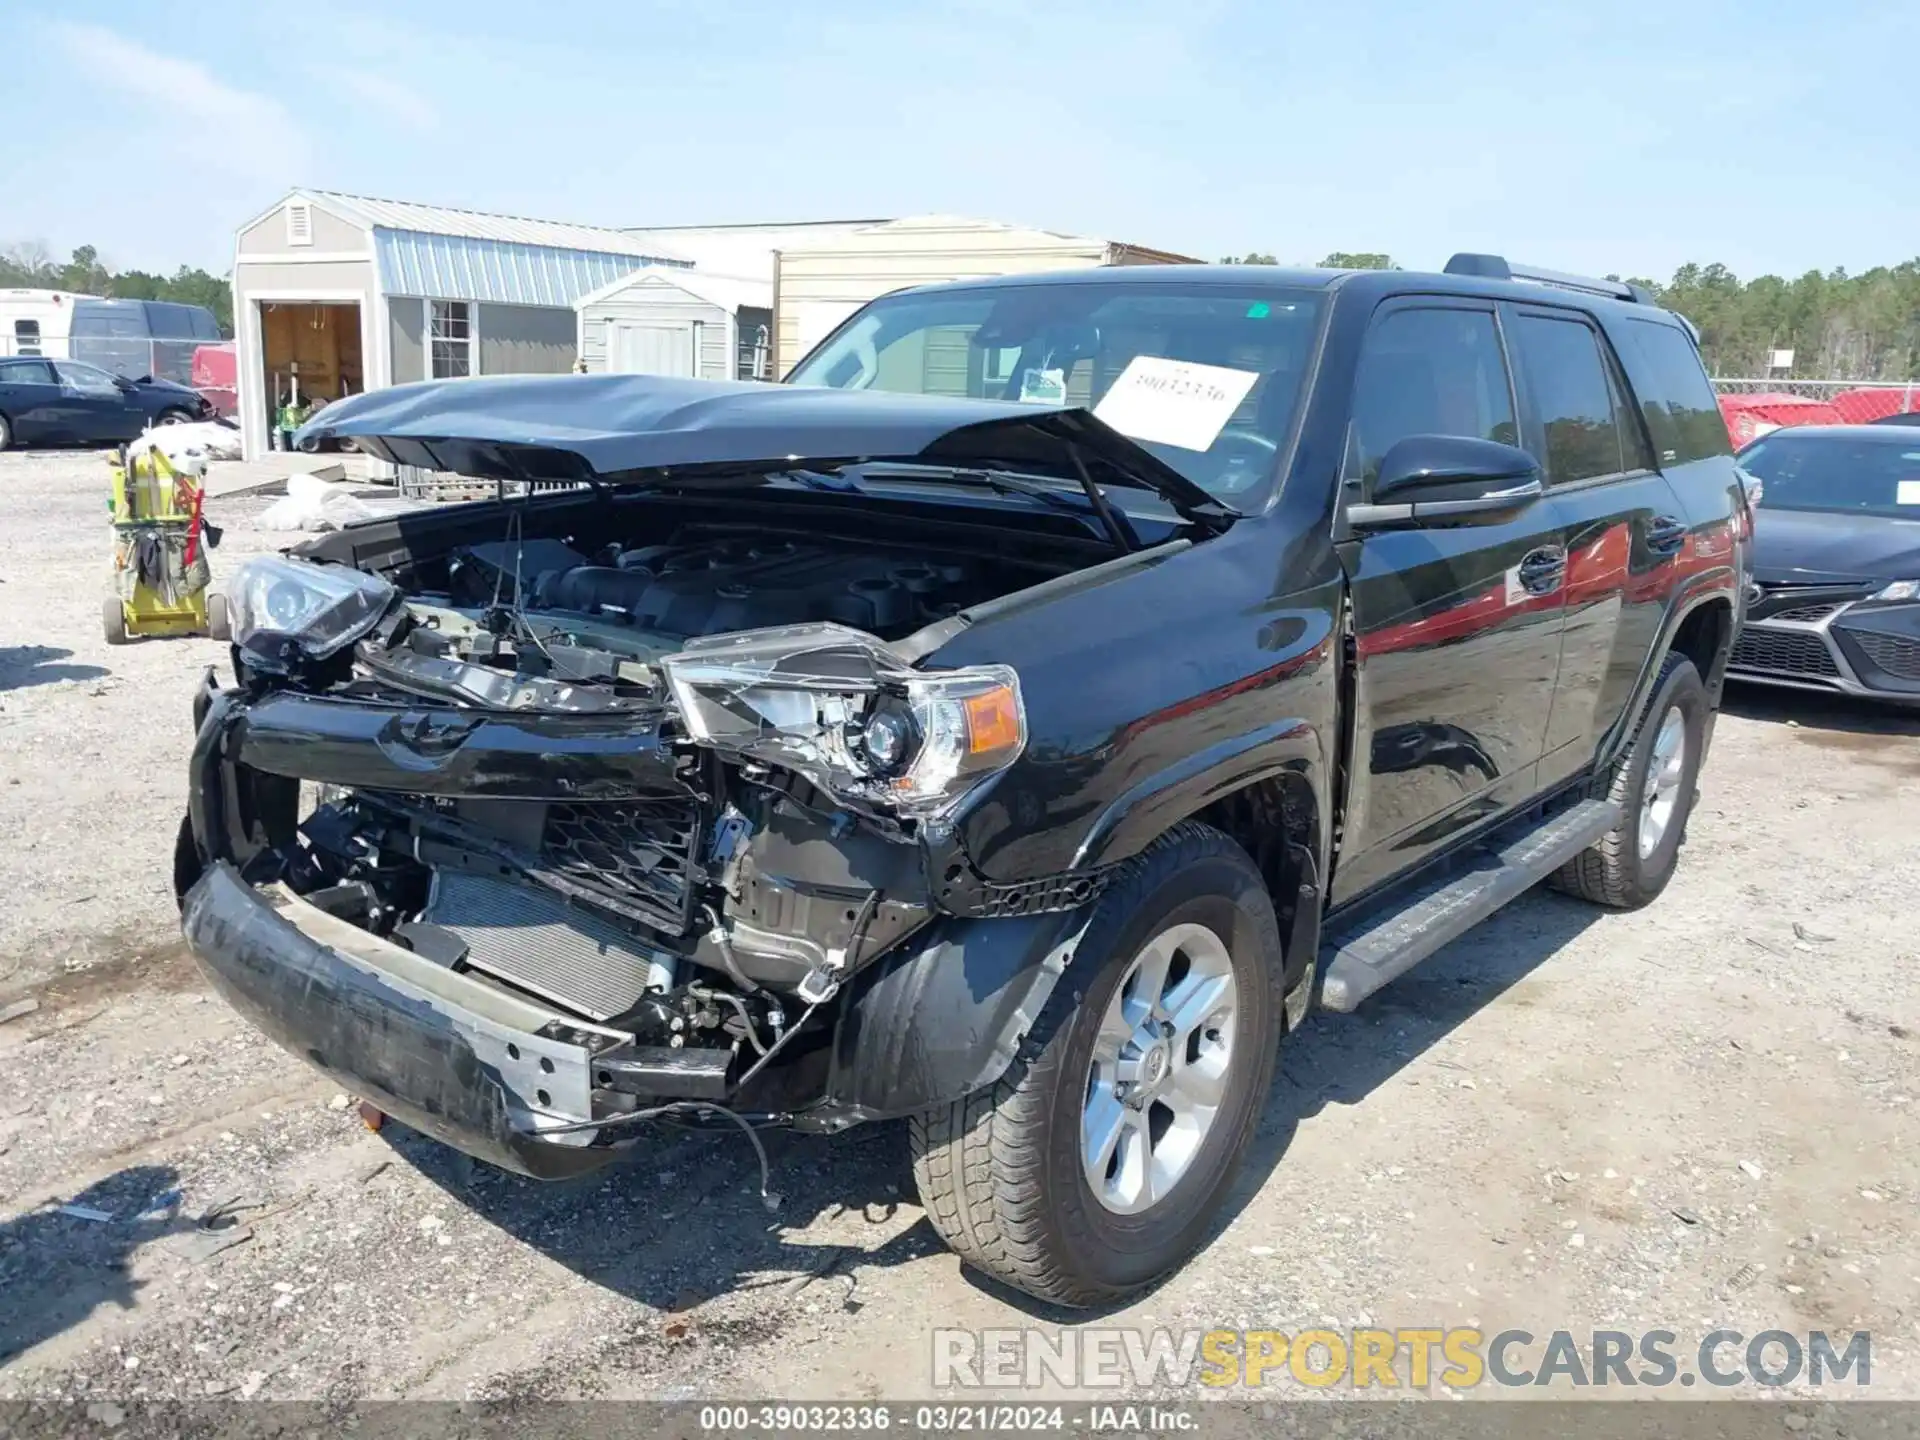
(1384, 947)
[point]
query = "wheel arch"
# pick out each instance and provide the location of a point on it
(1702, 628)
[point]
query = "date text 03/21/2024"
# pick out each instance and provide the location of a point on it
(946, 1419)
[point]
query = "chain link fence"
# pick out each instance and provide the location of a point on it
(133, 357)
(1853, 402)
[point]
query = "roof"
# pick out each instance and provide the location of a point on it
(746, 250)
(479, 225)
(1882, 434)
(968, 223)
(1272, 277)
(729, 292)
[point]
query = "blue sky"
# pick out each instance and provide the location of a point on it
(1626, 136)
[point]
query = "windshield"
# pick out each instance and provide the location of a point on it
(1207, 377)
(1858, 477)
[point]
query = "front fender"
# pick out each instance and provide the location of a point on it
(1184, 788)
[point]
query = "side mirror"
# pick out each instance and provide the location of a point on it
(123, 383)
(1449, 480)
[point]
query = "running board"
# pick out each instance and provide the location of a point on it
(1381, 948)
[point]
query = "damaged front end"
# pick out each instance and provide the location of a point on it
(524, 870)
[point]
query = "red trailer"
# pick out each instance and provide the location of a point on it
(1749, 416)
(1876, 402)
(216, 375)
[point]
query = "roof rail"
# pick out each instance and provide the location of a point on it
(1495, 267)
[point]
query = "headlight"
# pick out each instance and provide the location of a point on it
(1899, 590)
(276, 606)
(835, 705)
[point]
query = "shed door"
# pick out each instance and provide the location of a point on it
(637, 348)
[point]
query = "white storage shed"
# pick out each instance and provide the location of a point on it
(678, 322)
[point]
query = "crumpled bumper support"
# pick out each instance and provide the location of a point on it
(442, 1052)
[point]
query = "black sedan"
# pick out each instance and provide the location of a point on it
(55, 402)
(1835, 603)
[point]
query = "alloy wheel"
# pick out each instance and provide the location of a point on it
(1159, 1070)
(1660, 794)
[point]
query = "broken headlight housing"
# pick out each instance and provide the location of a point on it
(281, 610)
(1899, 590)
(838, 707)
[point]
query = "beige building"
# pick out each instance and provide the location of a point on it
(819, 282)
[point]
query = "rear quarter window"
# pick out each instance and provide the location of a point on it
(1675, 396)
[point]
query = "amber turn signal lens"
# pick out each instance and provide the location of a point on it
(993, 721)
(370, 1117)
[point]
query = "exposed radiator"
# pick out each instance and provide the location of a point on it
(532, 938)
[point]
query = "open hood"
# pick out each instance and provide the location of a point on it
(654, 429)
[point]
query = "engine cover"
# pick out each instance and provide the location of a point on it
(713, 587)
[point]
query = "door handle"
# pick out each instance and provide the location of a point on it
(1542, 570)
(1665, 535)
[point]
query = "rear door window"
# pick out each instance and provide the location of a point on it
(25, 372)
(1676, 398)
(1573, 400)
(85, 378)
(1428, 370)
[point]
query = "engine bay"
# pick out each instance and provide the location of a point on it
(712, 580)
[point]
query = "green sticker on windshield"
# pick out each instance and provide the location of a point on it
(1259, 310)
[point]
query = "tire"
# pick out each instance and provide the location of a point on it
(172, 417)
(113, 621)
(1621, 872)
(218, 624)
(1000, 1173)
(188, 867)
(6, 432)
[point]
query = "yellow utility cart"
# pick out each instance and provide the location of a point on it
(160, 541)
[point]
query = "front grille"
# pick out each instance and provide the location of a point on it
(1810, 614)
(1781, 652)
(640, 852)
(534, 939)
(1894, 654)
(1803, 602)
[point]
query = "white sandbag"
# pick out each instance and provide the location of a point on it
(188, 447)
(315, 504)
(213, 439)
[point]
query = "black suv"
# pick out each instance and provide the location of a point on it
(1014, 723)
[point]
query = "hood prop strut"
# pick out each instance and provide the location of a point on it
(1118, 526)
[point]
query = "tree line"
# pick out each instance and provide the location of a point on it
(1838, 326)
(30, 265)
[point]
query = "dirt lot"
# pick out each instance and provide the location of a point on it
(1696, 1116)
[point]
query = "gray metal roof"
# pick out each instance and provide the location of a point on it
(478, 225)
(448, 254)
(728, 292)
(454, 267)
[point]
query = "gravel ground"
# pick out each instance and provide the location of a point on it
(1696, 1116)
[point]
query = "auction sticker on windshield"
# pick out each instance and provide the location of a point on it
(1043, 387)
(1174, 402)
(1906, 492)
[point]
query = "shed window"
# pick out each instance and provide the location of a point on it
(299, 223)
(450, 335)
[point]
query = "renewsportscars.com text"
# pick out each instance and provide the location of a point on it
(1458, 1358)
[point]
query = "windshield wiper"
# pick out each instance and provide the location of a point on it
(1008, 482)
